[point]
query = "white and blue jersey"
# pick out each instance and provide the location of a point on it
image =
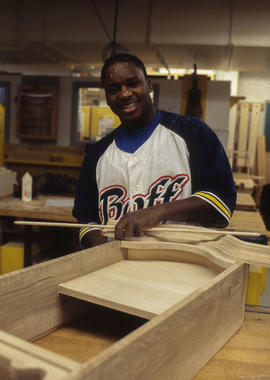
(174, 157)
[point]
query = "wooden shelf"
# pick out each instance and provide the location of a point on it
(37, 112)
(46, 163)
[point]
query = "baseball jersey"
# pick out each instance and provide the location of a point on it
(172, 158)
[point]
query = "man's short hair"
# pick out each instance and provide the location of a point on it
(122, 57)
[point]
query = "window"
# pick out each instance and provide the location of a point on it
(92, 118)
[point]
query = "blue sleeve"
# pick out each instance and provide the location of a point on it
(211, 173)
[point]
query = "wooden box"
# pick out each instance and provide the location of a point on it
(176, 333)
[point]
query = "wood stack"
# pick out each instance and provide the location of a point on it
(246, 149)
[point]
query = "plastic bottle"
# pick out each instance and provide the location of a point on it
(27, 187)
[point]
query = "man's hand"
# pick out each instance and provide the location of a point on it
(190, 210)
(133, 224)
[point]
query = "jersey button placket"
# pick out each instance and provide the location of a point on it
(132, 186)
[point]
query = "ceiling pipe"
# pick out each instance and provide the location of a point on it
(101, 21)
(230, 45)
(154, 48)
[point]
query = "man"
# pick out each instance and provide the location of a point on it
(155, 167)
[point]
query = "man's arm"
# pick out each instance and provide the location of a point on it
(92, 238)
(191, 210)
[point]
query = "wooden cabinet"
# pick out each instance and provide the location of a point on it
(37, 112)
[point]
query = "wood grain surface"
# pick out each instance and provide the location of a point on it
(144, 288)
(246, 354)
(36, 209)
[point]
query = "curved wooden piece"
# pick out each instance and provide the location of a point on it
(182, 233)
(178, 252)
(250, 253)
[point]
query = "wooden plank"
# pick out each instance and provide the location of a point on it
(36, 209)
(244, 182)
(233, 115)
(21, 360)
(198, 233)
(30, 304)
(261, 160)
(253, 133)
(246, 355)
(142, 288)
(248, 221)
(243, 134)
(180, 341)
(245, 201)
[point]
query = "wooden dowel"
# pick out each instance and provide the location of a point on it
(164, 228)
(58, 224)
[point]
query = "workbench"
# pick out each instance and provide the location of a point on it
(246, 355)
(38, 210)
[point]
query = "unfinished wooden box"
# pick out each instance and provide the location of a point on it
(188, 300)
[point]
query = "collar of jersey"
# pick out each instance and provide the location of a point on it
(130, 141)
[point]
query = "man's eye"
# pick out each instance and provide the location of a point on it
(112, 90)
(134, 83)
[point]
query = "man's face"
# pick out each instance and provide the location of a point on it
(128, 93)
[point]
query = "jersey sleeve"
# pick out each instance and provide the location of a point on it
(211, 174)
(85, 208)
(212, 179)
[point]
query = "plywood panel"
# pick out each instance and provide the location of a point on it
(253, 133)
(243, 134)
(143, 288)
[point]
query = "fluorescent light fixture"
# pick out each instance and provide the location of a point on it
(173, 71)
(202, 72)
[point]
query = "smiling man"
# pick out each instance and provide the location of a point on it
(156, 167)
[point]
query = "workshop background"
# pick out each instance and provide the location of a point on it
(52, 106)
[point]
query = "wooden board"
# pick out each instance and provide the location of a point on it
(243, 134)
(248, 221)
(142, 288)
(245, 201)
(243, 182)
(246, 355)
(261, 160)
(253, 133)
(24, 361)
(36, 209)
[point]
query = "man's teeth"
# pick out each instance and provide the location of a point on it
(129, 105)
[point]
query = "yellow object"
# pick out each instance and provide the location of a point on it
(254, 285)
(85, 130)
(11, 257)
(257, 278)
(102, 121)
(2, 132)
